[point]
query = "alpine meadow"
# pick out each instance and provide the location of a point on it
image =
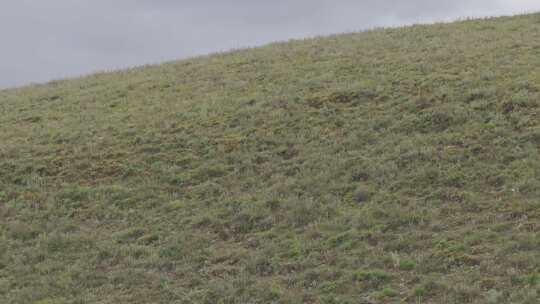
(395, 165)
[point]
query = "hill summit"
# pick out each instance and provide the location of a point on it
(389, 166)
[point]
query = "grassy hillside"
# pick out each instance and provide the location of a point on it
(390, 166)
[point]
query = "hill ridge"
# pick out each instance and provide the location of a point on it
(388, 166)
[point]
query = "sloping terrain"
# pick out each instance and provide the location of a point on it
(390, 166)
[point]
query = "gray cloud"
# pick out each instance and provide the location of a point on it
(44, 40)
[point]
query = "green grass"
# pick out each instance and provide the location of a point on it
(390, 166)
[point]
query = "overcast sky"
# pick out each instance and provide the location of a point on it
(45, 40)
